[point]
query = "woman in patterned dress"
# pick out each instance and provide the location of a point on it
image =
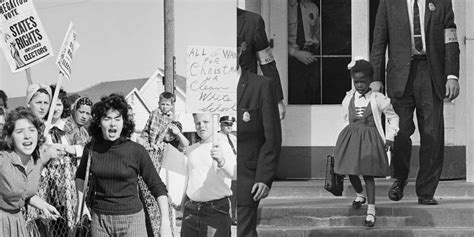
(57, 183)
(76, 127)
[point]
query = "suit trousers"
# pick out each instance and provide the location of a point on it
(420, 95)
(304, 82)
(247, 221)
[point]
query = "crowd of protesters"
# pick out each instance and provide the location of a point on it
(48, 158)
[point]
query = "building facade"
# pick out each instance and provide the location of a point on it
(310, 130)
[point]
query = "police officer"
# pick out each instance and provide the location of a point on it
(256, 50)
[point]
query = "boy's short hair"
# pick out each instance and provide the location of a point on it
(363, 66)
(167, 96)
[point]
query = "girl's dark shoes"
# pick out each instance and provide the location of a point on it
(370, 223)
(358, 204)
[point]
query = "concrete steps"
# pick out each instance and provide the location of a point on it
(304, 208)
(289, 231)
(315, 189)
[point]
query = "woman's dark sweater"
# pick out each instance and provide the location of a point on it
(115, 167)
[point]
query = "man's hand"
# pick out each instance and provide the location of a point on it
(376, 86)
(452, 89)
(305, 56)
(260, 191)
(388, 145)
(217, 154)
(282, 109)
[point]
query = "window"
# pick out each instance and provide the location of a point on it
(319, 51)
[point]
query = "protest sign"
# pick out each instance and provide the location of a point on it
(211, 82)
(22, 37)
(66, 53)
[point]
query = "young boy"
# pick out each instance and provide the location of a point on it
(152, 139)
(211, 167)
(157, 125)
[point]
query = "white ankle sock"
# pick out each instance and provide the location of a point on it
(370, 210)
(360, 197)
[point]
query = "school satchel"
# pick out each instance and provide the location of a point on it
(334, 182)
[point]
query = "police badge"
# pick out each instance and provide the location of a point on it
(431, 6)
(246, 116)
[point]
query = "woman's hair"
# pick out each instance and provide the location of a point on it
(82, 101)
(15, 115)
(64, 100)
(41, 91)
(364, 67)
(4, 97)
(100, 109)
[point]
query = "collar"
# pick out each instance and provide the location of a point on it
(15, 158)
(366, 95)
(59, 124)
(169, 114)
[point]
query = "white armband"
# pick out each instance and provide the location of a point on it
(265, 56)
(450, 35)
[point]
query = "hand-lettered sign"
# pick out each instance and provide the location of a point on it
(211, 82)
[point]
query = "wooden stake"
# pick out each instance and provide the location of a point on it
(53, 104)
(28, 76)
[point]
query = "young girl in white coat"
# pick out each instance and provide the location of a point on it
(362, 145)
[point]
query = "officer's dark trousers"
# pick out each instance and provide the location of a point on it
(247, 221)
(304, 82)
(419, 95)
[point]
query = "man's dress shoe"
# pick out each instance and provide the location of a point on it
(396, 191)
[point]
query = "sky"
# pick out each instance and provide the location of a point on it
(122, 39)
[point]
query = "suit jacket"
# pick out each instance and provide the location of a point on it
(258, 135)
(392, 28)
(251, 32)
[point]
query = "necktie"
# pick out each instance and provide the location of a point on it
(231, 144)
(417, 27)
(300, 39)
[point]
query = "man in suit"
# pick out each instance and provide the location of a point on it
(422, 70)
(256, 50)
(258, 145)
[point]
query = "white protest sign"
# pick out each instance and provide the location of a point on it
(22, 37)
(66, 53)
(211, 82)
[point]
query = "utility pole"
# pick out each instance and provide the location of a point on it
(169, 45)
